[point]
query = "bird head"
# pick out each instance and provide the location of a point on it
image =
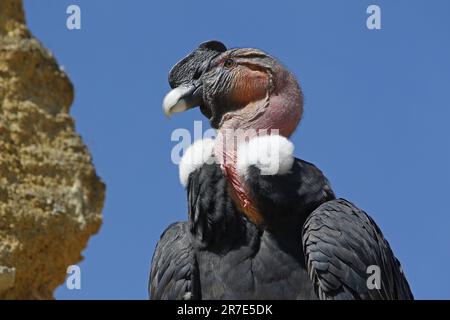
(235, 89)
(241, 91)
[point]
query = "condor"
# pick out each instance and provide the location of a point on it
(254, 233)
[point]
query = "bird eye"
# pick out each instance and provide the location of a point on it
(228, 63)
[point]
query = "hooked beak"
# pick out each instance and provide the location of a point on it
(182, 98)
(185, 79)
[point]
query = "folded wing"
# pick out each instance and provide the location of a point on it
(343, 246)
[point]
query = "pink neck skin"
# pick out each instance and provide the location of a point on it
(281, 112)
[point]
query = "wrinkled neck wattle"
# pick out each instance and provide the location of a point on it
(278, 115)
(227, 156)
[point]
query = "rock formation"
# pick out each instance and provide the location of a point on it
(50, 196)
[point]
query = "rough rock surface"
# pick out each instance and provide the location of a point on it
(50, 196)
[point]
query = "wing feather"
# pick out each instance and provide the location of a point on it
(174, 272)
(340, 242)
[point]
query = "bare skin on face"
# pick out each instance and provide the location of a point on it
(249, 86)
(261, 112)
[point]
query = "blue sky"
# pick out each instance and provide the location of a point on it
(376, 121)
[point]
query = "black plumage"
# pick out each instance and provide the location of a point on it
(252, 235)
(219, 254)
(340, 242)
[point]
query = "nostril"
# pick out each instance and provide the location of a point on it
(197, 74)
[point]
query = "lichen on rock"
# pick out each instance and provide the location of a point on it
(50, 195)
